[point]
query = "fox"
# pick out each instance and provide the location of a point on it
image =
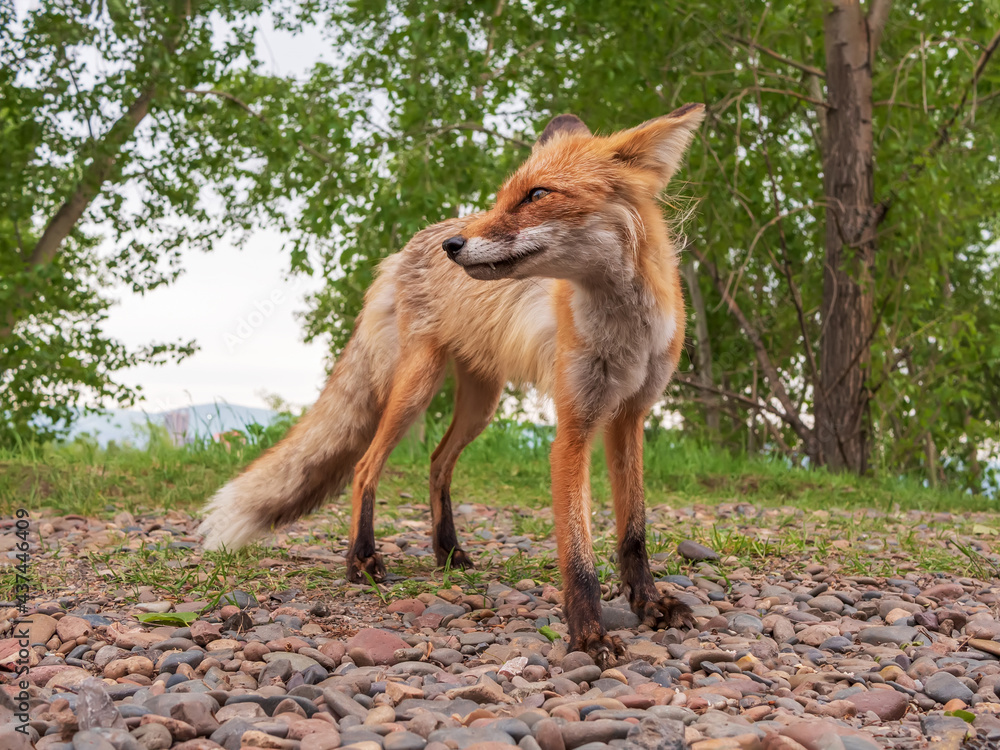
(569, 283)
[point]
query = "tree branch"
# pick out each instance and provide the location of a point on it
(257, 115)
(95, 173)
(489, 45)
(734, 283)
(879, 212)
(770, 371)
(786, 265)
(930, 107)
(89, 185)
(977, 72)
(746, 400)
(786, 92)
(499, 71)
(811, 70)
(481, 129)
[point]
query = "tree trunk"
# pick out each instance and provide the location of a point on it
(93, 177)
(848, 170)
(703, 347)
(95, 174)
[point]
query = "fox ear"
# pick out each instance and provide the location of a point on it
(657, 146)
(559, 127)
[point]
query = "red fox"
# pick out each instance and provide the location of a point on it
(570, 283)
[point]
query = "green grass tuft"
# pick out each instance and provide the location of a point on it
(507, 465)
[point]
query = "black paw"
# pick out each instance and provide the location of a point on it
(664, 612)
(456, 558)
(365, 569)
(606, 650)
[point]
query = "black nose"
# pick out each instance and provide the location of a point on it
(453, 245)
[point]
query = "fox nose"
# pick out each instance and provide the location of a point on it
(453, 245)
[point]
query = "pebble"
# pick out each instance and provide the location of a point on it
(896, 634)
(379, 645)
(944, 686)
(785, 658)
(690, 550)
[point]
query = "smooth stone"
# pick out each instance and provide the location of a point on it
(88, 739)
(463, 738)
(691, 550)
(897, 634)
(888, 705)
(823, 734)
(618, 618)
(239, 599)
(446, 656)
(356, 735)
(747, 625)
(403, 741)
(944, 686)
(230, 734)
(341, 705)
(298, 662)
(514, 727)
(838, 644)
(583, 674)
(678, 580)
(41, 627)
(131, 710)
(270, 703)
(947, 732)
(579, 733)
(460, 707)
(576, 659)
(827, 603)
(162, 705)
(548, 735)
(153, 737)
(380, 645)
(171, 661)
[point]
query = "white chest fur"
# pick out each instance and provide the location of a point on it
(625, 336)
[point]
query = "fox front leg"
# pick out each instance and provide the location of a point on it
(623, 445)
(571, 504)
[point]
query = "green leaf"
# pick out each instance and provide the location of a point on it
(549, 633)
(168, 618)
(967, 716)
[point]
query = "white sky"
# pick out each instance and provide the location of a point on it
(243, 353)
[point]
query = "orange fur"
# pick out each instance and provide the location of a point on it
(570, 283)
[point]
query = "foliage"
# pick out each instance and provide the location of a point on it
(433, 102)
(98, 142)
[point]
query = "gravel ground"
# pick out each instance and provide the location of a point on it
(789, 655)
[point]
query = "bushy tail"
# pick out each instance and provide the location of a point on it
(317, 456)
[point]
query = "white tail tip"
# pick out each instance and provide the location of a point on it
(229, 524)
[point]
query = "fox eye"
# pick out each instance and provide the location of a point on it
(536, 194)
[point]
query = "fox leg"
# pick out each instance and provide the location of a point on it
(417, 377)
(623, 440)
(570, 460)
(476, 400)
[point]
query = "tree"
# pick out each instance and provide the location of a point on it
(842, 202)
(98, 138)
(845, 181)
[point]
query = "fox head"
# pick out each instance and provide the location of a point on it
(580, 203)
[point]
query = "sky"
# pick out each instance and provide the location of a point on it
(234, 302)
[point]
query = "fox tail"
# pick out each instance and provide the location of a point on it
(317, 457)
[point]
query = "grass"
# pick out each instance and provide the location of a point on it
(507, 465)
(776, 517)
